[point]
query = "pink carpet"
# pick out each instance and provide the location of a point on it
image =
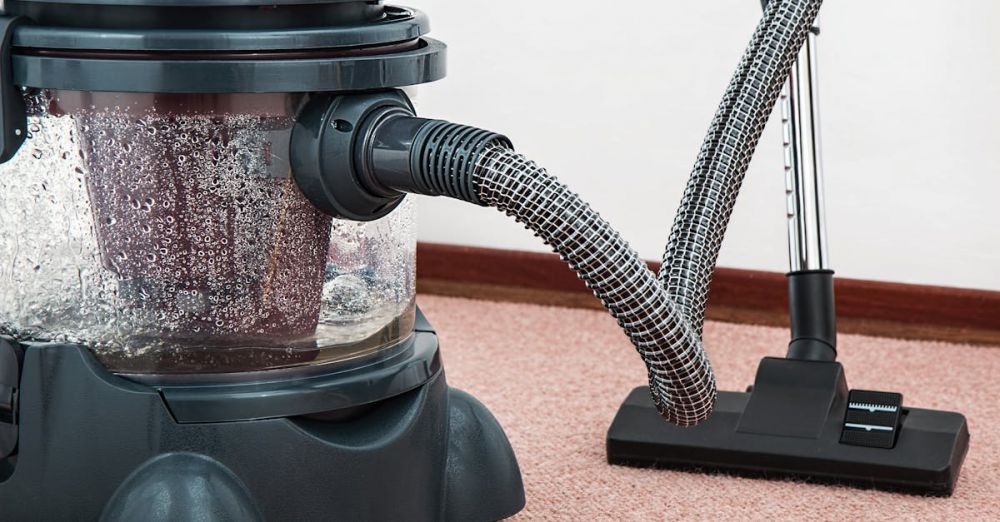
(554, 378)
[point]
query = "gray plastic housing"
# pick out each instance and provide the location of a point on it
(183, 46)
(328, 132)
(227, 46)
(423, 64)
(95, 446)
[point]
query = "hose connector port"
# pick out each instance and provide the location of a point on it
(357, 156)
(430, 157)
(330, 132)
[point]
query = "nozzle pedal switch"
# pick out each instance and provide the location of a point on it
(872, 419)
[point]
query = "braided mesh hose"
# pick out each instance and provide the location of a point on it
(662, 317)
(707, 204)
(680, 376)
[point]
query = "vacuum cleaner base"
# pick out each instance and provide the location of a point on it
(794, 423)
(95, 446)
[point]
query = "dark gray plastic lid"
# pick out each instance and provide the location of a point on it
(423, 65)
(398, 25)
(191, 3)
(255, 47)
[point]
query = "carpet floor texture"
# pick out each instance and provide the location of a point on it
(554, 378)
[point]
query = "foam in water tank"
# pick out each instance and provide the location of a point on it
(165, 233)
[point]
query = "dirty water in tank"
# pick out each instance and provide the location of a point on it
(165, 233)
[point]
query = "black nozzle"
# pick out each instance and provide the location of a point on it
(357, 156)
(813, 316)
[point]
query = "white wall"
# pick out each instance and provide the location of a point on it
(615, 97)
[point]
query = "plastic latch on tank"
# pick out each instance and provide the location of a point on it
(10, 377)
(872, 419)
(13, 118)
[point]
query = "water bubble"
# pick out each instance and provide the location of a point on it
(347, 294)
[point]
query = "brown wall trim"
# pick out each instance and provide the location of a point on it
(745, 296)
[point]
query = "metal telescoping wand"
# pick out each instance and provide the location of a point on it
(807, 244)
(811, 302)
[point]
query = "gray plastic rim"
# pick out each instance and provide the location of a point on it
(196, 398)
(402, 24)
(423, 65)
(193, 3)
(414, 366)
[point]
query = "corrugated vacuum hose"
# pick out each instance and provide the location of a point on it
(680, 376)
(395, 153)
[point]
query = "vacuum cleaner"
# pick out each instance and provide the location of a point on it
(186, 335)
(207, 296)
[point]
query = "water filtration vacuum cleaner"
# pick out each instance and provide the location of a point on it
(186, 335)
(207, 277)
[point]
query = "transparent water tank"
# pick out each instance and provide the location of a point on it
(165, 233)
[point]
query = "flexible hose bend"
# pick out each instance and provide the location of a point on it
(663, 317)
(664, 320)
(439, 158)
(707, 204)
(680, 376)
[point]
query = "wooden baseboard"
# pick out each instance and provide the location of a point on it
(742, 296)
